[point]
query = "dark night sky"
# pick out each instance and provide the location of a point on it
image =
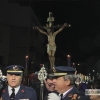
(82, 40)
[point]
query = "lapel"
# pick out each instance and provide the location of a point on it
(5, 94)
(70, 94)
(20, 92)
(74, 90)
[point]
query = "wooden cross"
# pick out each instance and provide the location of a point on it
(50, 21)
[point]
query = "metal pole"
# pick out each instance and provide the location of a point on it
(42, 75)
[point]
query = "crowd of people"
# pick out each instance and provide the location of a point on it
(63, 84)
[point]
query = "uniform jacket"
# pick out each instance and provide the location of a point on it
(72, 93)
(23, 93)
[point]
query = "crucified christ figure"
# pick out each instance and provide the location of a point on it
(51, 46)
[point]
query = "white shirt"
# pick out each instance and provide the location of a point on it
(10, 90)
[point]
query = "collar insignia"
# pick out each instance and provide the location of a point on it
(74, 97)
(22, 91)
(69, 95)
(4, 91)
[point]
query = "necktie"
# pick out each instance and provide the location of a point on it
(13, 94)
(61, 96)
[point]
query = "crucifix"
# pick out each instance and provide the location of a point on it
(51, 46)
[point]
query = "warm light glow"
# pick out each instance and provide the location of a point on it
(78, 64)
(68, 59)
(68, 56)
(73, 64)
(69, 25)
(26, 56)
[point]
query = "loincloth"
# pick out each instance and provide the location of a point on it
(51, 47)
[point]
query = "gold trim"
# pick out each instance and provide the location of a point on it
(57, 74)
(14, 71)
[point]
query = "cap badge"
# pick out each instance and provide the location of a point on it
(15, 67)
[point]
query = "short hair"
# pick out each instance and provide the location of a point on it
(50, 77)
(72, 79)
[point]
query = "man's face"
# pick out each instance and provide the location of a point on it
(49, 85)
(14, 80)
(60, 84)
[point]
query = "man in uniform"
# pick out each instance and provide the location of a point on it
(14, 89)
(50, 88)
(64, 81)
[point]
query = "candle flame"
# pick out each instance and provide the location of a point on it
(26, 56)
(68, 55)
